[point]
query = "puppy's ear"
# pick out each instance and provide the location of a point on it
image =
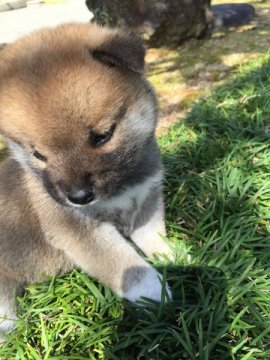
(123, 50)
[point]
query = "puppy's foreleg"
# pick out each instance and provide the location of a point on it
(149, 229)
(106, 255)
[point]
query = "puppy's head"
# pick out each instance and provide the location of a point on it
(76, 110)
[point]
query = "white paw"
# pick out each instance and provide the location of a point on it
(7, 319)
(150, 286)
(6, 325)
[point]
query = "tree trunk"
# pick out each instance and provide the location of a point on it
(159, 22)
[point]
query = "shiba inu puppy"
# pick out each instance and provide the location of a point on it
(84, 172)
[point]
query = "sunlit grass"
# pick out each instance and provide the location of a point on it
(199, 66)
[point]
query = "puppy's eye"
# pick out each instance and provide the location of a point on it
(97, 140)
(39, 156)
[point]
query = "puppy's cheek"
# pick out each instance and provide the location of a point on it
(149, 286)
(19, 154)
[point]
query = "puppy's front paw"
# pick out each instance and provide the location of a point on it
(7, 316)
(6, 325)
(149, 286)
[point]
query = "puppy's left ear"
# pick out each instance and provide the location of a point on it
(123, 50)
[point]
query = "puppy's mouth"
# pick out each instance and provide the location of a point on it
(80, 196)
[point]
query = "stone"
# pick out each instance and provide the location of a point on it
(6, 5)
(159, 22)
(231, 15)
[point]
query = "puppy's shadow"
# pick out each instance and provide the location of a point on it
(193, 325)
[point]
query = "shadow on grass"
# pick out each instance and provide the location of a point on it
(193, 57)
(189, 327)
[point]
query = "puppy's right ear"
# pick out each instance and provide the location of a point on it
(122, 50)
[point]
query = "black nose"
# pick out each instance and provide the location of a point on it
(81, 197)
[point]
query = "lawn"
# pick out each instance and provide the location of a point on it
(196, 67)
(218, 208)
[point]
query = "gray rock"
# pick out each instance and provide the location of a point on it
(159, 22)
(230, 15)
(6, 5)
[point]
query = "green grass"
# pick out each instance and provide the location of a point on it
(218, 211)
(196, 67)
